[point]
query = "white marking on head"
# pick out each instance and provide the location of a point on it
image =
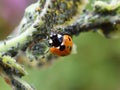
(51, 35)
(59, 36)
(54, 34)
(50, 41)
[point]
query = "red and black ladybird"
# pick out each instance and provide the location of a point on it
(61, 45)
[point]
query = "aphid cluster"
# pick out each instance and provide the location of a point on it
(58, 13)
(10, 66)
(18, 84)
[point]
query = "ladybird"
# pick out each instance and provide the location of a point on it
(60, 45)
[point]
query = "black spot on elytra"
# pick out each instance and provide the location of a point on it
(62, 48)
(70, 48)
(69, 39)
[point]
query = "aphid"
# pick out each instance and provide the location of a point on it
(38, 9)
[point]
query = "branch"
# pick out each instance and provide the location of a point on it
(12, 72)
(36, 25)
(104, 17)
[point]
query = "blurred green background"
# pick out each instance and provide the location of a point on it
(96, 66)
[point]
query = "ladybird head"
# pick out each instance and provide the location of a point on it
(55, 40)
